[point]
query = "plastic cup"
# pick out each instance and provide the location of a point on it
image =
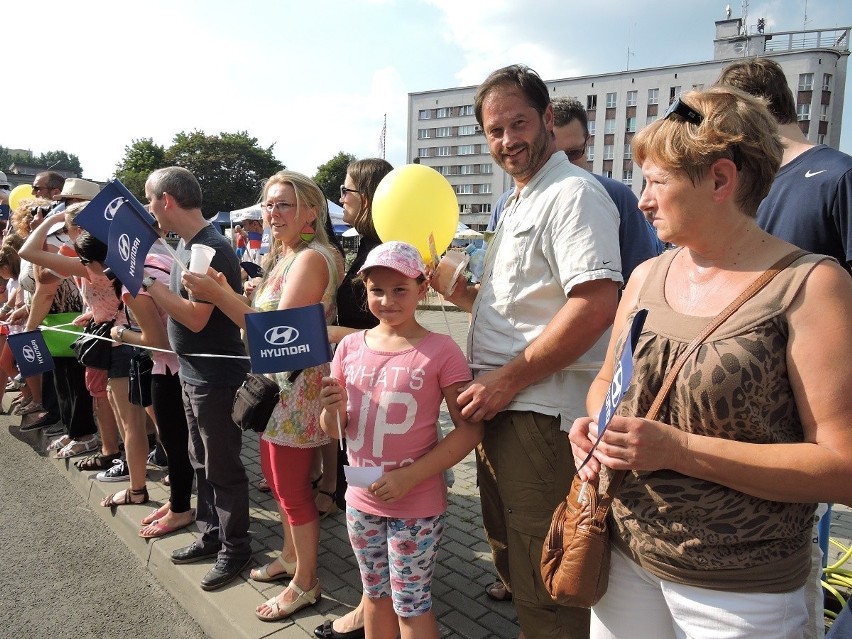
(200, 258)
(448, 270)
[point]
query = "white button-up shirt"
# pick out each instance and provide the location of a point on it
(561, 230)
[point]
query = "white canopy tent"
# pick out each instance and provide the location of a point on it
(334, 211)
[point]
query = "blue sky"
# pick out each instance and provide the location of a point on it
(317, 77)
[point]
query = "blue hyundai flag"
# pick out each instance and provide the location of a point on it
(620, 378)
(30, 352)
(130, 239)
(98, 215)
(288, 340)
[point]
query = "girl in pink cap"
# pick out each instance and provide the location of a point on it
(384, 396)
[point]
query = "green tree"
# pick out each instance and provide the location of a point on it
(59, 161)
(140, 159)
(330, 175)
(230, 167)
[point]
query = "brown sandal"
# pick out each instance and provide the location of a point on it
(110, 500)
(98, 461)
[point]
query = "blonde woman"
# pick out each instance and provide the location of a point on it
(300, 270)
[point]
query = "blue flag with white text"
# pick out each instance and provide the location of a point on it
(98, 215)
(620, 378)
(288, 340)
(130, 239)
(31, 353)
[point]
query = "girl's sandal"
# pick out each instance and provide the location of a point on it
(98, 461)
(129, 493)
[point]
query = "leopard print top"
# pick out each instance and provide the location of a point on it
(735, 386)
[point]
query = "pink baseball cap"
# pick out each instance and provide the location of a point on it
(398, 256)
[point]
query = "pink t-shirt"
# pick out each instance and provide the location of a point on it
(394, 401)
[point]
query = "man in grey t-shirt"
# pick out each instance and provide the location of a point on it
(209, 383)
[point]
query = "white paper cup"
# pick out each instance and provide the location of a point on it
(448, 270)
(200, 258)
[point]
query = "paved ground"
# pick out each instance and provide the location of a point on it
(464, 569)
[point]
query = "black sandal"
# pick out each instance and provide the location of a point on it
(325, 513)
(98, 461)
(110, 501)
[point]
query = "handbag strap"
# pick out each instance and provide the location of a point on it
(768, 275)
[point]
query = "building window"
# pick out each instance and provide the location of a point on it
(632, 97)
(464, 189)
(467, 129)
(486, 168)
(673, 93)
(443, 170)
(628, 177)
(442, 151)
(422, 134)
(806, 82)
(443, 112)
(423, 152)
(443, 132)
(609, 126)
(466, 169)
(610, 100)
(607, 174)
(425, 114)
(485, 188)
(650, 119)
(628, 152)
(653, 96)
(609, 152)
(630, 125)
(821, 138)
(826, 82)
(823, 112)
(591, 102)
(467, 109)
(590, 153)
(467, 149)
(803, 112)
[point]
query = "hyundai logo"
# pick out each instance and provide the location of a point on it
(281, 335)
(29, 354)
(112, 208)
(124, 247)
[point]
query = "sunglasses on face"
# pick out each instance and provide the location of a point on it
(344, 191)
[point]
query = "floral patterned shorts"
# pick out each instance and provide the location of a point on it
(396, 557)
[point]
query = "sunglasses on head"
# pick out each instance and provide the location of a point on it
(685, 111)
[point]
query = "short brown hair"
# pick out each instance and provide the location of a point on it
(763, 78)
(735, 125)
(520, 76)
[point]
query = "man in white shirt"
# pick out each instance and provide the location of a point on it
(548, 294)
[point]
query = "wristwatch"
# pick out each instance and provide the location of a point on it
(147, 281)
(120, 333)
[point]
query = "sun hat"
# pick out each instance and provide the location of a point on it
(399, 256)
(79, 189)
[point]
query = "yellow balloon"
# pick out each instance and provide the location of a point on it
(19, 193)
(413, 202)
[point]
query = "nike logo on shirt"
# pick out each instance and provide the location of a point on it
(808, 173)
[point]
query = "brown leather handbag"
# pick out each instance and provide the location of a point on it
(575, 555)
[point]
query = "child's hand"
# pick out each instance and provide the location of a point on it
(82, 319)
(393, 485)
(333, 392)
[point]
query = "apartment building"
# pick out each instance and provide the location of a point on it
(443, 132)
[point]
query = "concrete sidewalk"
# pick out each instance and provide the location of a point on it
(465, 568)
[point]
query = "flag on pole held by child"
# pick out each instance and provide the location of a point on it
(98, 215)
(31, 353)
(288, 340)
(130, 239)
